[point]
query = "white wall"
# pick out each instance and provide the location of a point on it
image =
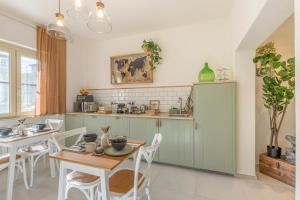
(244, 13)
(17, 32)
(284, 41)
(253, 22)
(184, 50)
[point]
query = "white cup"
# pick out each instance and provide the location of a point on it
(90, 147)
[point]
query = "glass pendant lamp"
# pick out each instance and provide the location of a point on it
(99, 21)
(79, 10)
(57, 28)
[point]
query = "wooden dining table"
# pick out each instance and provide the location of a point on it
(13, 143)
(88, 163)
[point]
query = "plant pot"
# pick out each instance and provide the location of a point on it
(274, 152)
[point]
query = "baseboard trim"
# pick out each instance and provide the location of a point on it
(243, 176)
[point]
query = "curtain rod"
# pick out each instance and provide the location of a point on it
(24, 22)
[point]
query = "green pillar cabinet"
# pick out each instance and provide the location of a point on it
(214, 127)
(177, 145)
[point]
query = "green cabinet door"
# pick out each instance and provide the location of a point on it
(143, 129)
(118, 125)
(72, 122)
(214, 114)
(94, 124)
(177, 144)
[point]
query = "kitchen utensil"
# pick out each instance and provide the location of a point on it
(91, 137)
(119, 143)
(111, 151)
(90, 147)
(39, 127)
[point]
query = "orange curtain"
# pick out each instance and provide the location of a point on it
(51, 56)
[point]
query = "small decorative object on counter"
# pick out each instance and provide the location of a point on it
(206, 74)
(290, 152)
(222, 74)
(153, 107)
(84, 92)
(105, 138)
(21, 127)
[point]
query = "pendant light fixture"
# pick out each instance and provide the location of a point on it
(57, 28)
(79, 10)
(99, 21)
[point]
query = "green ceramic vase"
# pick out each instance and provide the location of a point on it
(206, 74)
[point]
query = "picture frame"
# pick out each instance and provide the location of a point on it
(130, 69)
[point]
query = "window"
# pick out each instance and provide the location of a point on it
(4, 82)
(28, 84)
(18, 81)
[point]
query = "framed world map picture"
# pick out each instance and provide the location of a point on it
(130, 69)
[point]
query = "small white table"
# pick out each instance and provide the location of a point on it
(14, 143)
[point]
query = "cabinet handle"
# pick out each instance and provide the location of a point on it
(157, 123)
(160, 124)
(195, 125)
(117, 117)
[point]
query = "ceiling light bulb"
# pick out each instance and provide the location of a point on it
(59, 22)
(59, 19)
(100, 13)
(78, 3)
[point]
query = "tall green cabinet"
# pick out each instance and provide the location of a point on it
(214, 126)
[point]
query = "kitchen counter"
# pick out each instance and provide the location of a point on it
(159, 116)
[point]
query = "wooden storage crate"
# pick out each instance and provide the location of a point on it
(278, 169)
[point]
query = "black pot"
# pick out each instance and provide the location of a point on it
(39, 127)
(119, 143)
(274, 152)
(91, 137)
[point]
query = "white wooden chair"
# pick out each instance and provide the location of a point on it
(20, 164)
(86, 183)
(35, 152)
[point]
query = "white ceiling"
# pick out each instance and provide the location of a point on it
(128, 16)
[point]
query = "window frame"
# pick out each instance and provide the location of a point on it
(16, 52)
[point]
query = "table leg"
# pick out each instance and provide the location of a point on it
(11, 172)
(51, 161)
(62, 181)
(104, 185)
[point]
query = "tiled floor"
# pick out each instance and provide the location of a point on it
(170, 183)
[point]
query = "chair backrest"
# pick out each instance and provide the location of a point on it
(55, 124)
(61, 136)
(148, 154)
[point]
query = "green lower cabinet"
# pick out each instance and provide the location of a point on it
(94, 124)
(118, 126)
(177, 144)
(143, 129)
(72, 122)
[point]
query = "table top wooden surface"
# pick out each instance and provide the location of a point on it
(103, 162)
(29, 135)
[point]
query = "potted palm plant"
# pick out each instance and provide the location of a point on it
(278, 89)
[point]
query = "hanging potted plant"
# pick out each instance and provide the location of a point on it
(153, 50)
(278, 89)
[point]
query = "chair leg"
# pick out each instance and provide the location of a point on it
(31, 160)
(67, 191)
(148, 193)
(45, 161)
(24, 174)
(91, 193)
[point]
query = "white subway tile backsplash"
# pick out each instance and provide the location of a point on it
(168, 96)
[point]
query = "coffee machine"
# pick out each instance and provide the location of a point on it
(81, 101)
